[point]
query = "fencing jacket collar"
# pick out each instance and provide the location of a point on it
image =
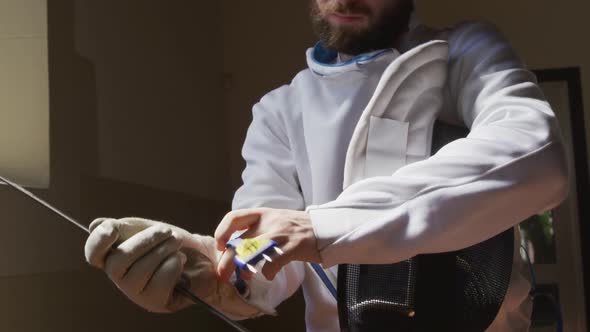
(327, 62)
(324, 62)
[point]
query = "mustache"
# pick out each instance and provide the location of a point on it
(344, 8)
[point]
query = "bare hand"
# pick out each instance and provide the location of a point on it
(291, 229)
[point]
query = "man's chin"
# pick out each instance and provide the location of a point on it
(348, 35)
(348, 41)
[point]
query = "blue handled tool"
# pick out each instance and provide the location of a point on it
(248, 253)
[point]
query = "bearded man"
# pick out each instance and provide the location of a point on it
(346, 168)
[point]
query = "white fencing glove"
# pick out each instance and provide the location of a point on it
(146, 259)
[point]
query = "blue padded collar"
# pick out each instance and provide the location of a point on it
(323, 61)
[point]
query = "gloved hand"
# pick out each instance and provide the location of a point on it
(146, 259)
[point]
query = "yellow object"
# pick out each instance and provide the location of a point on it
(249, 247)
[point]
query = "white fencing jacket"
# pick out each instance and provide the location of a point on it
(350, 143)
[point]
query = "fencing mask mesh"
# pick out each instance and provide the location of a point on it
(458, 291)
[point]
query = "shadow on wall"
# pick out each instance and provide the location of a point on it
(160, 119)
(52, 288)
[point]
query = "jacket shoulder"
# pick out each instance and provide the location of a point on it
(472, 26)
(474, 37)
(284, 98)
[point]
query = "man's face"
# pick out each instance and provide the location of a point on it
(358, 26)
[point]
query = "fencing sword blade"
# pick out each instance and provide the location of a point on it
(45, 204)
(179, 288)
(182, 290)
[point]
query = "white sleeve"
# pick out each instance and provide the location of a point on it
(270, 180)
(508, 168)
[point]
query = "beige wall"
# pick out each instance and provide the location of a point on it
(24, 107)
(24, 95)
(159, 92)
(137, 128)
(128, 104)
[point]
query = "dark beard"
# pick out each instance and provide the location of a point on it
(382, 33)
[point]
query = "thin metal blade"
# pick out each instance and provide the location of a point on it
(179, 288)
(45, 204)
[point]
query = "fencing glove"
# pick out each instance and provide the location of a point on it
(146, 259)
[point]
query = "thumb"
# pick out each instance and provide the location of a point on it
(104, 235)
(206, 245)
(95, 223)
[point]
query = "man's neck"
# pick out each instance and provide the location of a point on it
(399, 44)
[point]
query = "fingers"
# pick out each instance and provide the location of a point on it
(96, 223)
(235, 221)
(131, 226)
(143, 257)
(270, 269)
(205, 245)
(102, 238)
(142, 270)
(226, 265)
(106, 233)
(161, 286)
(246, 274)
(122, 257)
